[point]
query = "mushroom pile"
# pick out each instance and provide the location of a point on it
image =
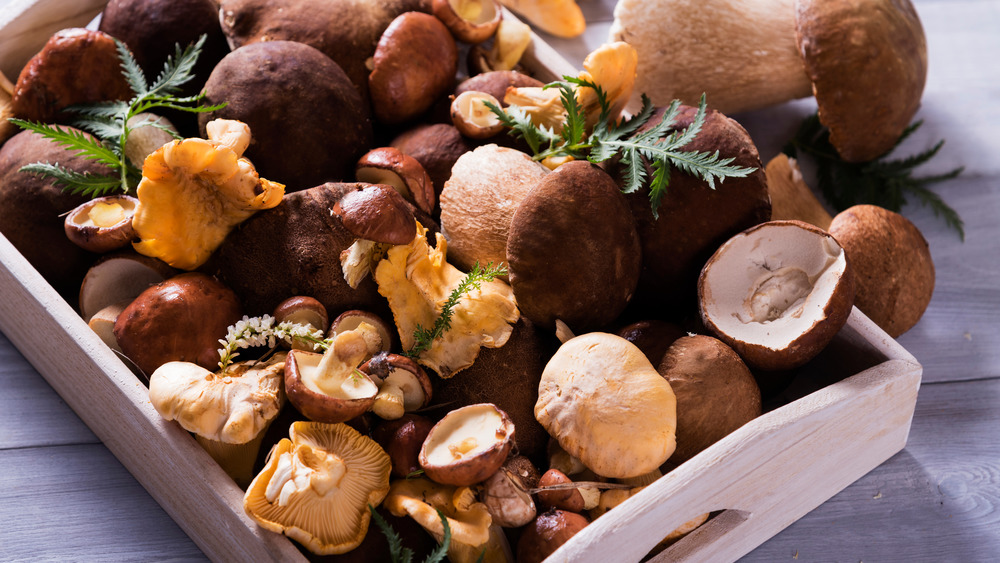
(357, 292)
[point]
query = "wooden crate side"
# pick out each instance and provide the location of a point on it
(164, 458)
(768, 472)
(28, 24)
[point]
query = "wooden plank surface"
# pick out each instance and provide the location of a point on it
(64, 497)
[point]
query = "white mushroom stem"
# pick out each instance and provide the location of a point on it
(741, 54)
(389, 401)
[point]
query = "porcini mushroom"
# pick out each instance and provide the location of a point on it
(317, 485)
(377, 215)
(468, 519)
(865, 60)
(228, 410)
(777, 293)
(606, 405)
(403, 384)
(102, 224)
(468, 445)
(328, 387)
(389, 166)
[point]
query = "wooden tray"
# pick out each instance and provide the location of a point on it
(761, 478)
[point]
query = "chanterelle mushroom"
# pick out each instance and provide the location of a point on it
(317, 485)
(606, 405)
(468, 519)
(228, 411)
(416, 280)
(194, 191)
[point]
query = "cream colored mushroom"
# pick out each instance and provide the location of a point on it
(228, 411)
(606, 405)
(317, 485)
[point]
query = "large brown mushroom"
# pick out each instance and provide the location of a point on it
(573, 250)
(865, 60)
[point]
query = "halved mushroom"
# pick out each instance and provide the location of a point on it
(777, 293)
(102, 224)
(118, 279)
(606, 405)
(473, 118)
(228, 410)
(328, 387)
(403, 385)
(317, 485)
(468, 445)
(353, 318)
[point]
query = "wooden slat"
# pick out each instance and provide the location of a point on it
(28, 24)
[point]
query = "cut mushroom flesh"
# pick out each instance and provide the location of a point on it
(771, 284)
(466, 435)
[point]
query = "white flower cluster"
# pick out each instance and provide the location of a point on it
(261, 331)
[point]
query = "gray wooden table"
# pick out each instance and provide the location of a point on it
(64, 497)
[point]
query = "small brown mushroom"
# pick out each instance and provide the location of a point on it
(471, 116)
(436, 147)
(403, 384)
(352, 319)
(546, 533)
(414, 64)
(118, 279)
(894, 272)
(302, 310)
(102, 224)
(468, 445)
(389, 166)
(777, 293)
(402, 439)
(376, 213)
(563, 499)
(470, 21)
(505, 493)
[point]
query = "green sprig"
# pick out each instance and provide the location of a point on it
(425, 337)
(400, 554)
(108, 122)
(882, 182)
(660, 145)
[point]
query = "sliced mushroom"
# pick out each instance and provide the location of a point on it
(228, 410)
(328, 387)
(777, 293)
(319, 471)
(468, 445)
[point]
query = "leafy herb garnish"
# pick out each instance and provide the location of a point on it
(400, 554)
(423, 337)
(108, 122)
(661, 144)
(881, 182)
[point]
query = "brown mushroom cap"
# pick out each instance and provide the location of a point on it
(436, 147)
(467, 445)
(272, 84)
(715, 391)
(414, 64)
(378, 213)
(868, 63)
(693, 218)
(893, 269)
(319, 471)
(102, 224)
(573, 250)
(389, 166)
(469, 22)
(496, 82)
(777, 293)
(546, 533)
(181, 318)
(401, 439)
(404, 373)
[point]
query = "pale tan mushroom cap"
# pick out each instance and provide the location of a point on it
(868, 63)
(317, 485)
(604, 402)
(231, 407)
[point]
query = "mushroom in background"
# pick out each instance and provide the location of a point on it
(320, 470)
(864, 60)
(228, 410)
